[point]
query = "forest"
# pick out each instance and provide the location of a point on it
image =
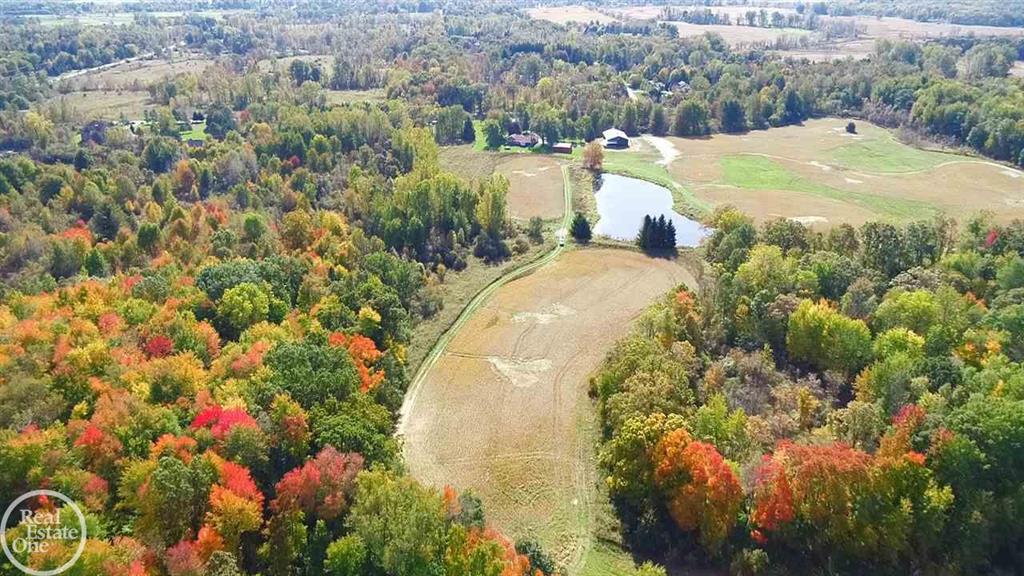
(221, 332)
(847, 400)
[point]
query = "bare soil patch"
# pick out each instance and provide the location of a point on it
(505, 413)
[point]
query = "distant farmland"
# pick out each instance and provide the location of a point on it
(566, 14)
(821, 175)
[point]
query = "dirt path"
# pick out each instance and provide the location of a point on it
(666, 148)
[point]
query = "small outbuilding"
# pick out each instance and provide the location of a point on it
(562, 148)
(615, 138)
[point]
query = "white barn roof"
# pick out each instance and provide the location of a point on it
(612, 133)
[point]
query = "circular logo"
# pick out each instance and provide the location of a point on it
(42, 529)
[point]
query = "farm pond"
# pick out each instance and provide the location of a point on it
(622, 203)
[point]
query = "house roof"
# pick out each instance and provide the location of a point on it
(613, 133)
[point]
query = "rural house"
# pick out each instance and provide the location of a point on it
(562, 148)
(524, 140)
(614, 138)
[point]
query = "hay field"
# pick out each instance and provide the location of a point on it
(136, 74)
(106, 105)
(468, 162)
(821, 175)
(536, 186)
(826, 52)
(567, 14)
(739, 35)
(338, 97)
(505, 413)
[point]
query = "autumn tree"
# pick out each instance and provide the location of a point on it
(593, 156)
(703, 491)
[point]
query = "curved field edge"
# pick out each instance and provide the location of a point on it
(505, 411)
(481, 297)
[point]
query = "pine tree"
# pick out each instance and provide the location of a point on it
(659, 237)
(670, 236)
(644, 239)
(581, 228)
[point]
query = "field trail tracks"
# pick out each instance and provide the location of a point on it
(500, 405)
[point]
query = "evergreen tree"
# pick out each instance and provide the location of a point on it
(581, 228)
(468, 131)
(644, 239)
(658, 122)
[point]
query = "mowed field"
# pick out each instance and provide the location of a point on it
(739, 35)
(819, 174)
(106, 104)
(136, 74)
(504, 412)
(536, 186)
(869, 28)
(566, 14)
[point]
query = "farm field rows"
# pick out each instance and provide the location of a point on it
(819, 174)
(516, 375)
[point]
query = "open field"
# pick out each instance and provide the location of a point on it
(536, 186)
(819, 174)
(116, 18)
(869, 29)
(136, 74)
(566, 14)
(468, 162)
(106, 105)
(737, 35)
(826, 52)
(516, 376)
(354, 96)
(326, 62)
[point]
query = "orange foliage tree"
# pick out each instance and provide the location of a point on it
(703, 491)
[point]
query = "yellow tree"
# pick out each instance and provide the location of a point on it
(593, 156)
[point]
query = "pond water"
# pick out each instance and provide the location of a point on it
(622, 203)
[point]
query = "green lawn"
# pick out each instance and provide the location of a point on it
(885, 154)
(607, 560)
(760, 173)
(197, 132)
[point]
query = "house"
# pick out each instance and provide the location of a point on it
(614, 138)
(562, 148)
(524, 140)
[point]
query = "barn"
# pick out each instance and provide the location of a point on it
(614, 138)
